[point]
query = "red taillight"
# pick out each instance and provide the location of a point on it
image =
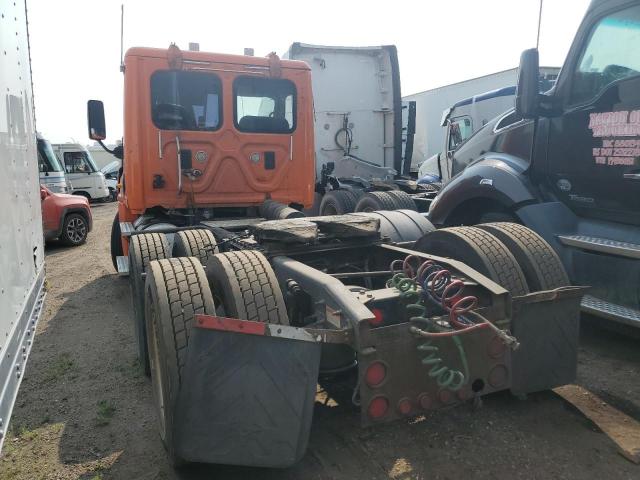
(375, 374)
(378, 407)
(404, 406)
(378, 317)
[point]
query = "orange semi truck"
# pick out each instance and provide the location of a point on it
(237, 317)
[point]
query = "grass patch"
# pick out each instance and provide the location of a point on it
(59, 367)
(105, 413)
(132, 369)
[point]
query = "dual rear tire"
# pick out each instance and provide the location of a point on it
(339, 202)
(511, 255)
(176, 290)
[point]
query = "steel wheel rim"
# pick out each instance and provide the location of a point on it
(154, 363)
(76, 230)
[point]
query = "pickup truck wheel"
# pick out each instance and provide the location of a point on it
(539, 262)
(244, 284)
(479, 250)
(143, 248)
(176, 290)
(74, 230)
(372, 201)
(199, 243)
(402, 200)
(116, 241)
(338, 202)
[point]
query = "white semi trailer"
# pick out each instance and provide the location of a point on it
(21, 241)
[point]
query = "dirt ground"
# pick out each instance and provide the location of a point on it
(85, 409)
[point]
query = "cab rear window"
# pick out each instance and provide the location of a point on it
(186, 100)
(264, 105)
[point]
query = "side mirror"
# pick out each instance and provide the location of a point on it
(43, 193)
(528, 88)
(95, 119)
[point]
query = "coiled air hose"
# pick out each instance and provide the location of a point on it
(417, 281)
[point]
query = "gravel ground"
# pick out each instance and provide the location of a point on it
(85, 411)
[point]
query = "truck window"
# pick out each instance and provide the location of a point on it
(78, 162)
(264, 105)
(47, 160)
(612, 52)
(186, 100)
(459, 130)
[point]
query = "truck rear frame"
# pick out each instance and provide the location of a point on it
(247, 388)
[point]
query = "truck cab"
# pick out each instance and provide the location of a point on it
(567, 163)
(459, 122)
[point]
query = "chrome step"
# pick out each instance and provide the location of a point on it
(123, 265)
(126, 229)
(604, 245)
(612, 311)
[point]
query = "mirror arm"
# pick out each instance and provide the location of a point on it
(106, 148)
(117, 152)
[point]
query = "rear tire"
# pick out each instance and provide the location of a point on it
(338, 202)
(245, 285)
(74, 230)
(199, 243)
(116, 241)
(272, 210)
(539, 262)
(402, 200)
(176, 290)
(479, 250)
(372, 201)
(143, 249)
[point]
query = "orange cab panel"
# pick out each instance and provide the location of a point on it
(213, 130)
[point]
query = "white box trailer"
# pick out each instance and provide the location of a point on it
(21, 239)
(430, 105)
(358, 109)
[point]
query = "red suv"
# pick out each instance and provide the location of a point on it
(65, 217)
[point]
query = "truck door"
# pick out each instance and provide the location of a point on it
(594, 146)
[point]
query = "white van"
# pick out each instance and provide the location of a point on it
(51, 171)
(81, 171)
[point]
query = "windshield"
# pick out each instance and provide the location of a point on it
(111, 167)
(47, 160)
(79, 162)
(611, 54)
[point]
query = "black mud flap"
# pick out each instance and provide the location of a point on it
(547, 326)
(247, 393)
